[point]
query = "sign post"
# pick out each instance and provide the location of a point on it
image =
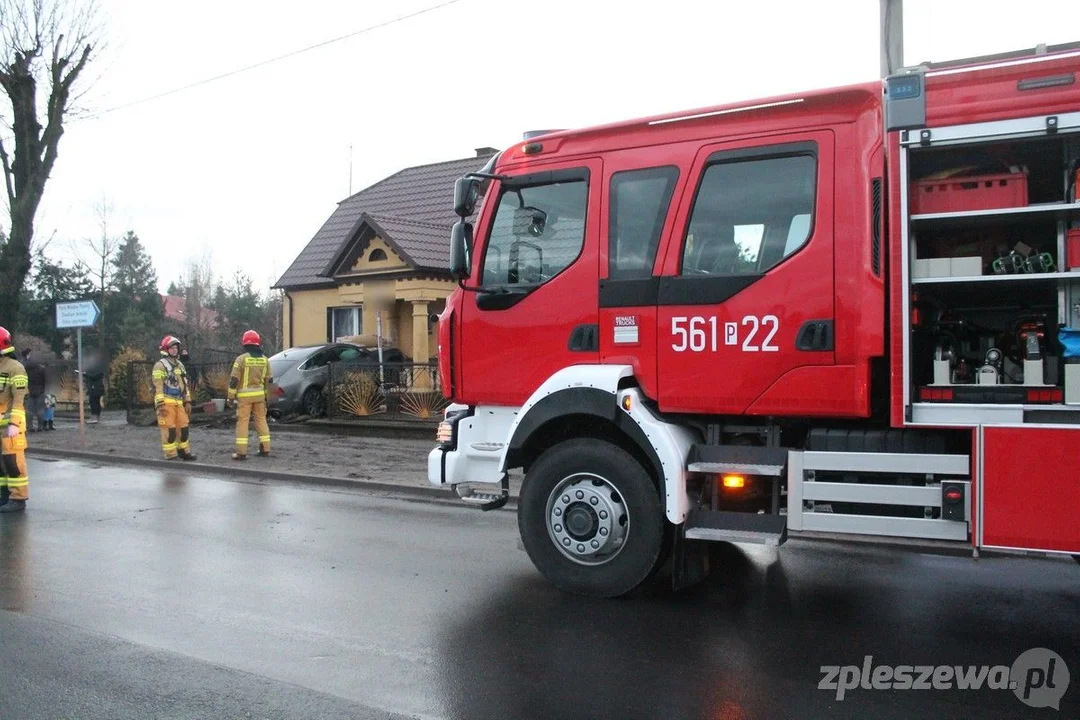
(78, 314)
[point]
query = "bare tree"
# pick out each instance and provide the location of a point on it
(95, 257)
(199, 283)
(49, 43)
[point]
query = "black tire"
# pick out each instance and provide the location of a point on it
(312, 402)
(641, 549)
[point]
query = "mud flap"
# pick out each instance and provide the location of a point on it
(689, 560)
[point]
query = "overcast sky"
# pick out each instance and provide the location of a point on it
(248, 167)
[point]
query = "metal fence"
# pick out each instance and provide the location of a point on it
(353, 391)
(395, 391)
(208, 381)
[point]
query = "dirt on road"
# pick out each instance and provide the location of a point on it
(380, 459)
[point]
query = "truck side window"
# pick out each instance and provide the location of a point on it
(749, 215)
(639, 205)
(538, 232)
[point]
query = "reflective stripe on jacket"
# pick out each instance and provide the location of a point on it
(250, 376)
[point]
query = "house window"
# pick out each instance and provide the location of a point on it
(344, 322)
(377, 254)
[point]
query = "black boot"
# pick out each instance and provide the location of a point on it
(185, 455)
(13, 506)
(4, 492)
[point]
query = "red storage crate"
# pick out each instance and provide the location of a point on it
(975, 192)
(1072, 249)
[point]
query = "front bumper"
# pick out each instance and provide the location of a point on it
(469, 452)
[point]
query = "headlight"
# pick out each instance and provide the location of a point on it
(445, 434)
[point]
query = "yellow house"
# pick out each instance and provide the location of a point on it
(379, 262)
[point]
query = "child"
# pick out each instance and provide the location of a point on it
(50, 408)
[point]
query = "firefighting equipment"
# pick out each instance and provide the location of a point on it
(247, 388)
(13, 388)
(167, 342)
(251, 338)
(172, 399)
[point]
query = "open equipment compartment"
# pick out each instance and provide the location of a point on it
(991, 279)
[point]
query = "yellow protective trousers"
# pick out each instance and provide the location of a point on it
(172, 419)
(245, 408)
(13, 466)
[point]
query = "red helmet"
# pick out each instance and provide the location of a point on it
(6, 345)
(168, 341)
(251, 338)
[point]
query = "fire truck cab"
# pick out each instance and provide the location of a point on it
(847, 311)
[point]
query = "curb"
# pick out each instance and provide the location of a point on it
(411, 492)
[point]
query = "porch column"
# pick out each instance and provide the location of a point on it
(421, 376)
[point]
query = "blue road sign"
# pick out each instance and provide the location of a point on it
(77, 314)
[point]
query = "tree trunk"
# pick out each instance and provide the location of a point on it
(15, 263)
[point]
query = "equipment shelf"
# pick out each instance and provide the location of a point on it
(1033, 213)
(1025, 277)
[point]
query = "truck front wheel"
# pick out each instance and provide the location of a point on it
(590, 518)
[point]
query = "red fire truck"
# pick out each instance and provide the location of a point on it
(853, 311)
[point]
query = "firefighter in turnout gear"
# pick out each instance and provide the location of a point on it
(14, 484)
(172, 400)
(247, 390)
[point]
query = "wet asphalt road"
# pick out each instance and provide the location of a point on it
(128, 594)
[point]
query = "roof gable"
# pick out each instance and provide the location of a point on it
(413, 211)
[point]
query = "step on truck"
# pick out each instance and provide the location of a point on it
(850, 312)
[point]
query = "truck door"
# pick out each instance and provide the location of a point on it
(536, 259)
(746, 303)
(635, 223)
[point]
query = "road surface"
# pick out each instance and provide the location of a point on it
(135, 594)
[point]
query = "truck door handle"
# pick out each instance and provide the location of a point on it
(585, 338)
(815, 336)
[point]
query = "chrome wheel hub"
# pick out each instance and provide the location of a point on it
(587, 519)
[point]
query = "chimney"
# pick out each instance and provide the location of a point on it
(485, 152)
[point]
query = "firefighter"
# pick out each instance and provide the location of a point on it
(247, 391)
(172, 400)
(14, 483)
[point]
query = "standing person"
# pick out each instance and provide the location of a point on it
(14, 483)
(35, 397)
(95, 388)
(247, 390)
(172, 399)
(50, 411)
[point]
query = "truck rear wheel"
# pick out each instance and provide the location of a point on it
(590, 518)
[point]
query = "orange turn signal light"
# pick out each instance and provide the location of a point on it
(734, 482)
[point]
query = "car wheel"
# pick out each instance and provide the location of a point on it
(590, 518)
(313, 402)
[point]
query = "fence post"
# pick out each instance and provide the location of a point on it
(329, 402)
(131, 394)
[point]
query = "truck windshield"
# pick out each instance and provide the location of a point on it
(538, 232)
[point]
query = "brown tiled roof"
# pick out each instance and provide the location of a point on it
(414, 207)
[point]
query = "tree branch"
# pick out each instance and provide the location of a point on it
(57, 104)
(7, 174)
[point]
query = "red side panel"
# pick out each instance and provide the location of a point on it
(1031, 488)
(829, 391)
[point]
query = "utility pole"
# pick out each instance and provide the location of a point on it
(350, 170)
(892, 36)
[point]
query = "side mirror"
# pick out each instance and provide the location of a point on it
(466, 192)
(461, 239)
